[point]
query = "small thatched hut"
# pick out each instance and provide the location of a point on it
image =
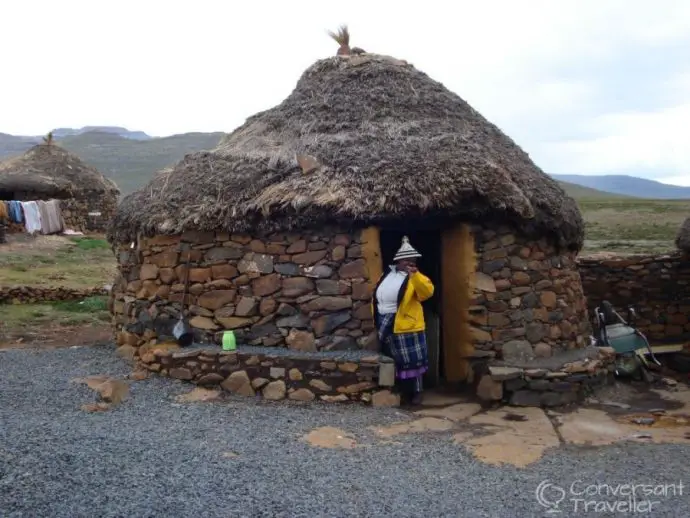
(46, 171)
(683, 238)
(292, 218)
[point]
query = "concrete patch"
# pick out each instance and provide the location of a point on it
(515, 442)
(329, 437)
(425, 424)
(458, 412)
(198, 394)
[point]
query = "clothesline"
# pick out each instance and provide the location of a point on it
(36, 216)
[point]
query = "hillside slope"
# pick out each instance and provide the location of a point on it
(130, 163)
(628, 186)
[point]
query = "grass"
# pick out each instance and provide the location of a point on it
(78, 262)
(90, 311)
(632, 225)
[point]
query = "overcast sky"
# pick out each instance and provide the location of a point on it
(586, 87)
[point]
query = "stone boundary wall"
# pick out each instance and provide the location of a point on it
(526, 293)
(34, 294)
(657, 286)
(306, 292)
(547, 383)
(277, 374)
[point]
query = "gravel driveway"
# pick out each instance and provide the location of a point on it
(151, 456)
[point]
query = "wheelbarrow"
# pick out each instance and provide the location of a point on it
(634, 356)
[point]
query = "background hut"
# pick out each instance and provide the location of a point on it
(683, 238)
(292, 218)
(46, 171)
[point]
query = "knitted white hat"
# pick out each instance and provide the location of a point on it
(406, 251)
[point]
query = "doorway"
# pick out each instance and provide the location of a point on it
(428, 243)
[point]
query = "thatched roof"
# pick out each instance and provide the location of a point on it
(362, 139)
(683, 238)
(48, 170)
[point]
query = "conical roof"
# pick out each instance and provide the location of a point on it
(361, 139)
(51, 171)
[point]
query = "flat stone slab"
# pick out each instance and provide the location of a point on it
(554, 363)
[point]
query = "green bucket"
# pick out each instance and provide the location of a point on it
(229, 342)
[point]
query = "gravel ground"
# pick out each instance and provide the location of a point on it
(153, 457)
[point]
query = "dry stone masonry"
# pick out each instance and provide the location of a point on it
(35, 294)
(526, 294)
(277, 374)
(657, 286)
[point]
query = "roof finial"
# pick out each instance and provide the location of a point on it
(342, 37)
(48, 139)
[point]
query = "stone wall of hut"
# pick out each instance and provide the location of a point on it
(528, 298)
(307, 292)
(657, 286)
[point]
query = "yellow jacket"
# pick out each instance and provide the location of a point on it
(410, 315)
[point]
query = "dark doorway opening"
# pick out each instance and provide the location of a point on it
(428, 243)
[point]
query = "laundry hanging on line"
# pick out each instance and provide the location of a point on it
(37, 216)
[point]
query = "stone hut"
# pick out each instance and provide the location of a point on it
(46, 171)
(287, 225)
(683, 238)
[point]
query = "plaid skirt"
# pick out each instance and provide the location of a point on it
(408, 350)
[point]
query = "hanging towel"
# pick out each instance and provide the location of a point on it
(45, 217)
(16, 212)
(57, 224)
(32, 216)
(4, 211)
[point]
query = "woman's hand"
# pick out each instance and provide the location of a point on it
(412, 269)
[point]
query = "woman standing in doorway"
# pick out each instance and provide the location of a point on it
(399, 319)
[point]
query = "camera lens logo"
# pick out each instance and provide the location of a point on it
(550, 496)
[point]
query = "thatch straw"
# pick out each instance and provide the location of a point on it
(379, 141)
(683, 239)
(47, 170)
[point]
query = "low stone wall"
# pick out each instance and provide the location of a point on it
(657, 286)
(34, 294)
(546, 383)
(306, 292)
(277, 374)
(526, 294)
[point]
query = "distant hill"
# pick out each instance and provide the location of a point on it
(628, 186)
(116, 130)
(580, 192)
(129, 162)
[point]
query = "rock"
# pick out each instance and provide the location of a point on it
(247, 307)
(211, 378)
(489, 390)
(549, 299)
(181, 373)
(288, 269)
(266, 285)
(542, 350)
(222, 254)
(328, 304)
(525, 398)
(309, 258)
(299, 321)
(355, 269)
(331, 287)
(521, 279)
(356, 388)
(287, 310)
(277, 372)
(385, 398)
(297, 286)
(338, 253)
(203, 323)
(517, 351)
(258, 383)
(216, 299)
(484, 282)
(534, 332)
(295, 375)
(504, 373)
(256, 263)
(298, 247)
(275, 390)
(539, 385)
(536, 373)
(224, 271)
(148, 272)
(479, 335)
(95, 407)
(238, 383)
(362, 291)
(334, 399)
(300, 340)
(168, 259)
(302, 394)
(199, 274)
(318, 272)
(234, 322)
(327, 323)
(267, 307)
(320, 385)
(386, 374)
